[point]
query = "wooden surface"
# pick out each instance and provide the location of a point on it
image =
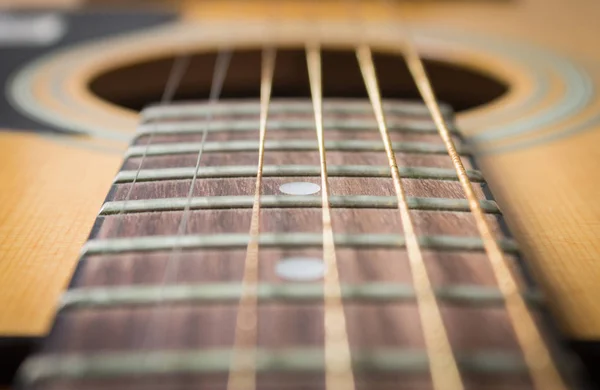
(44, 222)
(282, 324)
(547, 192)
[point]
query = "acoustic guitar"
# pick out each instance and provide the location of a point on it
(300, 195)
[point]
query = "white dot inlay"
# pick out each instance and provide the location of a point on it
(301, 269)
(300, 188)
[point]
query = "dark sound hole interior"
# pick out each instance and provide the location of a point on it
(140, 84)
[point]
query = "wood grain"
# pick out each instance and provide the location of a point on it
(43, 223)
(187, 326)
(558, 224)
(546, 192)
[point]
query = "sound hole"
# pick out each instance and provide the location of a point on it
(137, 85)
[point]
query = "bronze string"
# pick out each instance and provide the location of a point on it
(444, 370)
(338, 362)
(242, 375)
(544, 372)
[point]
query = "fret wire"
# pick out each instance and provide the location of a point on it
(338, 360)
(172, 266)
(467, 295)
(283, 240)
(245, 125)
(286, 106)
(113, 365)
(293, 201)
(543, 371)
(178, 70)
(242, 375)
(299, 145)
(293, 170)
(444, 370)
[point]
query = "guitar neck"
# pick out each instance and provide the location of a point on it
(155, 297)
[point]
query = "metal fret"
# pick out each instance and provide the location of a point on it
(109, 365)
(197, 127)
(330, 106)
(293, 170)
(168, 149)
(283, 240)
(295, 201)
(207, 293)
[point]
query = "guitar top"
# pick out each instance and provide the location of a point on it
(307, 196)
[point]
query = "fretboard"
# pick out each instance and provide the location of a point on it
(154, 301)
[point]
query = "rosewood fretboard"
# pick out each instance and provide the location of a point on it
(138, 316)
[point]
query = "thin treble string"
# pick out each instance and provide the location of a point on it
(443, 367)
(338, 361)
(544, 372)
(242, 375)
(178, 70)
(172, 267)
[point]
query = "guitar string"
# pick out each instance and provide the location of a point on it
(502, 271)
(178, 69)
(537, 356)
(443, 367)
(444, 370)
(242, 370)
(339, 372)
(242, 374)
(542, 369)
(172, 266)
(338, 363)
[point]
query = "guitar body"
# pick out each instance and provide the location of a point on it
(535, 132)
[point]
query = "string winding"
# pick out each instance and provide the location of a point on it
(544, 372)
(444, 370)
(338, 361)
(242, 375)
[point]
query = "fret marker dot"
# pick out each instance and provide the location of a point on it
(300, 188)
(300, 269)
